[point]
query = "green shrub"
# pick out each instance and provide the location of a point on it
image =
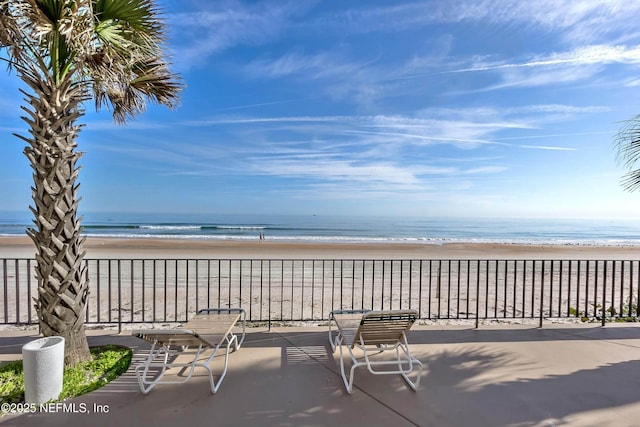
(107, 363)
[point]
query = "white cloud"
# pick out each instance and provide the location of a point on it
(546, 147)
(578, 20)
(580, 64)
(373, 153)
(341, 170)
(100, 125)
(588, 55)
(584, 24)
(561, 108)
(366, 82)
(463, 128)
(632, 83)
(315, 66)
(227, 24)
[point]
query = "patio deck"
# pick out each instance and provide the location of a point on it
(570, 375)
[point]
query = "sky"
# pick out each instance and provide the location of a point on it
(454, 108)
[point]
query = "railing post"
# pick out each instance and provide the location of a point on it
(119, 297)
(29, 274)
(638, 289)
(269, 318)
(542, 294)
(477, 293)
(613, 287)
(439, 285)
(131, 284)
(5, 281)
(420, 291)
(604, 294)
(17, 280)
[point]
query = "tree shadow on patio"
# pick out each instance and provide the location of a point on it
(290, 377)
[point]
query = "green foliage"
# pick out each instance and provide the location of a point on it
(628, 313)
(106, 364)
(12, 382)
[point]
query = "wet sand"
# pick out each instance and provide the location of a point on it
(22, 247)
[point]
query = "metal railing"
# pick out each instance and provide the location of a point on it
(125, 291)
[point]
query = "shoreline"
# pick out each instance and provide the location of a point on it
(166, 248)
(175, 283)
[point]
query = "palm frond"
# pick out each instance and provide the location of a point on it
(127, 69)
(9, 30)
(39, 31)
(138, 15)
(627, 146)
(15, 30)
(128, 28)
(114, 46)
(150, 81)
(631, 180)
(627, 142)
(156, 82)
(9, 27)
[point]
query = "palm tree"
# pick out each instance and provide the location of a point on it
(68, 52)
(628, 152)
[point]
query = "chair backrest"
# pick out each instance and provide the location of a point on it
(384, 327)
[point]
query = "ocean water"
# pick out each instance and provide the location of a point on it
(349, 229)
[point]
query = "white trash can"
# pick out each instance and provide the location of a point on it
(43, 365)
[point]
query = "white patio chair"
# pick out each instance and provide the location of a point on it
(210, 329)
(374, 332)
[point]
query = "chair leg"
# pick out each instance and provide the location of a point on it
(143, 382)
(333, 337)
(231, 341)
(405, 362)
(146, 384)
(414, 385)
(412, 362)
(348, 383)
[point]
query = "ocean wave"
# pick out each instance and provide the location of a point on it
(170, 227)
(381, 240)
(364, 240)
(304, 229)
(239, 227)
(110, 226)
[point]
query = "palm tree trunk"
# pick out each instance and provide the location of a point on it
(62, 284)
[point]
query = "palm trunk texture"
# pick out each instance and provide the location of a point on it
(52, 111)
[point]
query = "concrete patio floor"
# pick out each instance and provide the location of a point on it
(561, 375)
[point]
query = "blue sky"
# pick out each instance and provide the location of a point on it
(428, 108)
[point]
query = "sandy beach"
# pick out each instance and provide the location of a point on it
(151, 280)
(115, 248)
